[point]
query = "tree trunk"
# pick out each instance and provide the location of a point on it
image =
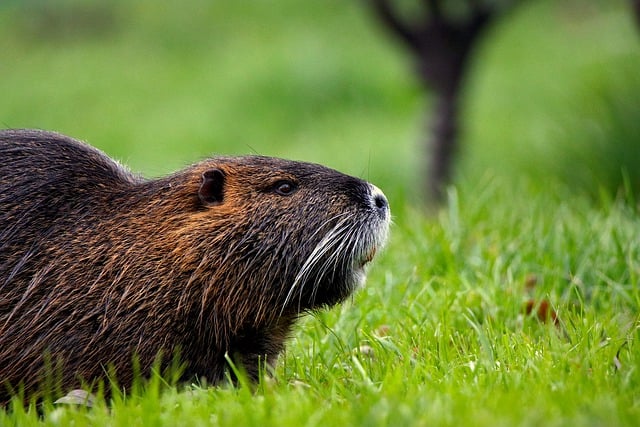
(441, 46)
(441, 145)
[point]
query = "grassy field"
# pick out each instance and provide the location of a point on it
(543, 210)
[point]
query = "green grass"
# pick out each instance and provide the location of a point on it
(438, 336)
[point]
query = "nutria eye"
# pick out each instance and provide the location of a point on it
(284, 188)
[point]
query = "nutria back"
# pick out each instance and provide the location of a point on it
(99, 267)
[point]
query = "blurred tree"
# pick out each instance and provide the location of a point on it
(68, 20)
(636, 8)
(441, 37)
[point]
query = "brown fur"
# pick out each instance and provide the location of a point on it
(98, 266)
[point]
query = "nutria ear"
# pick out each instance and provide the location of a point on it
(212, 187)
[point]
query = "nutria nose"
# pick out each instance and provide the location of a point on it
(379, 201)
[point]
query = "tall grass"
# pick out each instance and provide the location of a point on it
(440, 335)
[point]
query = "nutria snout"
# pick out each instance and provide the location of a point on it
(99, 266)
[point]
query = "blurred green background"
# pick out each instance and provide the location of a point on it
(553, 95)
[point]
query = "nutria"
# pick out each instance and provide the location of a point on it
(99, 267)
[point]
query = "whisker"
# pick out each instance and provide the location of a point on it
(334, 241)
(324, 246)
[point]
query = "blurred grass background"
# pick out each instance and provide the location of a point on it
(554, 92)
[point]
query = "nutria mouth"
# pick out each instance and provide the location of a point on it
(369, 257)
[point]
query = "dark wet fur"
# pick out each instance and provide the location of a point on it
(98, 265)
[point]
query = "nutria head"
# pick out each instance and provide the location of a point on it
(99, 266)
(292, 235)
